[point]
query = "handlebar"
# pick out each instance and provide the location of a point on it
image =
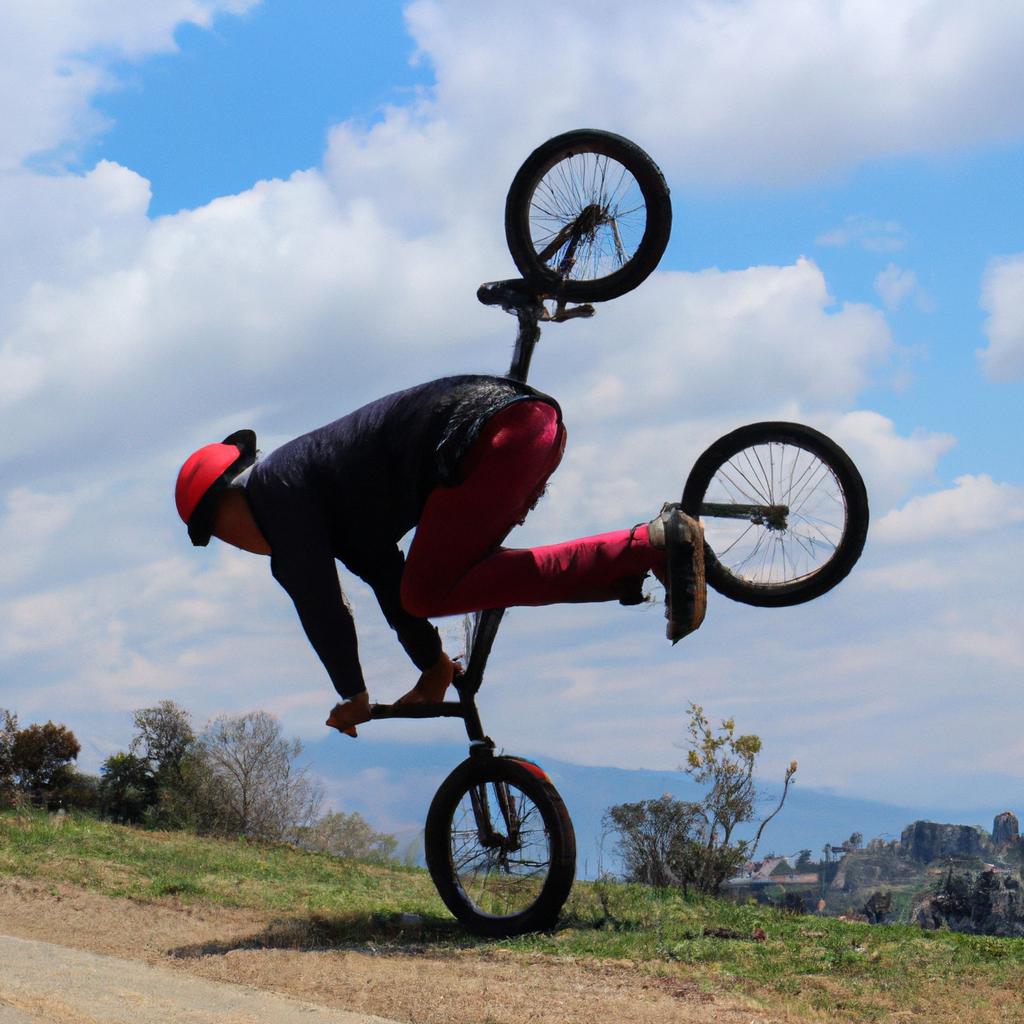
(445, 709)
(465, 709)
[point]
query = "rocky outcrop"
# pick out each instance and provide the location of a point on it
(990, 904)
(872, 868)
(925, 841)
(1005, 829)
(878, 907)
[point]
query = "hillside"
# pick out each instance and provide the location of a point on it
(296, 921)
(391, 784)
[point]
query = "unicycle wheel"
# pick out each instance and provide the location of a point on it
(500, 846)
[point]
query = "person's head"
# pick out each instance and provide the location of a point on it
(207, 477)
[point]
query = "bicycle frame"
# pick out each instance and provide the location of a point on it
(514, 297)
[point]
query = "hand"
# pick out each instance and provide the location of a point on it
(433, 682)
(345, 717)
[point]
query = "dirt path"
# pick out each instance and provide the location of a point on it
(418, 987)
(43, 983)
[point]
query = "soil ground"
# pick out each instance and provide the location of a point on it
(421, 986)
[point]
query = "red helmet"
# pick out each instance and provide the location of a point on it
(206, 473)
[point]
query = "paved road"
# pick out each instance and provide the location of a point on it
(45, 984)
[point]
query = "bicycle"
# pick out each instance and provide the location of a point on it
(785, 510)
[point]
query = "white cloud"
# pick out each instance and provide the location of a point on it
(32, 522)
(1002, 644)
(715, 340)
(926, 574)
(867, 233)
(896, 284)
(1002, 297)
(162, 334)
(53, 61)
(166, 325)
(745, 91)
(126, 342)
(891, 463)
(975, 504)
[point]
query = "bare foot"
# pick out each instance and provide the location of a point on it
(345, 717)
(433, 683)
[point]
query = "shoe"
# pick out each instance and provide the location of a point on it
(629, 590)
(686, 592)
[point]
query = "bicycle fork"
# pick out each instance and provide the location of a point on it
(489, 838)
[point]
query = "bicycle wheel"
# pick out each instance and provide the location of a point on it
(500, 846)
(785, 513)
(587, 216)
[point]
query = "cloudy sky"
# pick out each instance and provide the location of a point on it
(228, 213)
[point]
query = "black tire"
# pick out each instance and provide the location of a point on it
(612, 191)
(785, 513)
(519, 881)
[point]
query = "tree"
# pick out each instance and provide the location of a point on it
(163, 738)
(348, 835)
(80, 790)
(252, 781)
(803, 861)
(40, 759)
(725, 763)
(654, 838)
(127, 788)
(672, 842)
(165, 746)
(8, 732)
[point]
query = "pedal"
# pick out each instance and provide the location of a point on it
(562, 313)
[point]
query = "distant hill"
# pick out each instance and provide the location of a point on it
(391, 785)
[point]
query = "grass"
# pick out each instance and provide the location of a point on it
(136, 864)
(812, 968)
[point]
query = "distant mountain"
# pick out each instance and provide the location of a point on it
(391, 784)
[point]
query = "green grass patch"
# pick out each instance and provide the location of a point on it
(817, 968)
(137, 864)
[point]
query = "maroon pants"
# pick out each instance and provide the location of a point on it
(456, 563)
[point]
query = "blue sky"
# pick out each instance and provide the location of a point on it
(223, 213)
(252, 97)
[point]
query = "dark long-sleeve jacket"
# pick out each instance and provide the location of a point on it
(351, 490)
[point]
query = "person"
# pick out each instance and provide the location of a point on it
(463, 460)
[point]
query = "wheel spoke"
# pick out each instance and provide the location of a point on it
(753, 494)
(506, 877)
(798, 517)
(571, 187)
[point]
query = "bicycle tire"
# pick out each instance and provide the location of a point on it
(555, 187)
(768, 484)
(482, 885)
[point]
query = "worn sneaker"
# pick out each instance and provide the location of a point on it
(686, 592)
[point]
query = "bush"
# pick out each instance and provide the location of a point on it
(673, 842)
(347, 835)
